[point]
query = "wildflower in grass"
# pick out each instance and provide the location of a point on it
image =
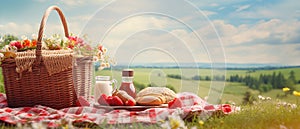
(174, 122)
(194, 127)
(286, 105)
(296, 93)
(201, 122)
(230, 102)
(39, 125)
(221, 122)
(293, 106)
(286, 89)
(263, 98)
(282, 126)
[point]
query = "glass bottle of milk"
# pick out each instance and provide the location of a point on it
(103, 85)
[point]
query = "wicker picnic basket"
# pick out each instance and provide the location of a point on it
(40, 77)
(83, 73)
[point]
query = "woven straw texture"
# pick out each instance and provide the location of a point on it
(40, 77)
(83, 74)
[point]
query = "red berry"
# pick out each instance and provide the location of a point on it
(117, 101)
(129, 103)
(81, 101)
(175, 103)
(109, 100)
(103, 100)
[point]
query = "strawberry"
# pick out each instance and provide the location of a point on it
(109, 100)
(129, 103)
(81, 101)
(103, 100)
(117, 101)
(175, 103)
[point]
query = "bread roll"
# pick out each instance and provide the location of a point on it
(152, 96)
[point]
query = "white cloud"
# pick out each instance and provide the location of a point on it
(214, 4)
(16, 29)
(208, 13)
(258, 35)
(270, 10)
(19, 29)
(221, 8)
(264, 53)
(76, 3)
(273, 31)
(271, 41)
(133, 25)
(41, 1)
(241, 8)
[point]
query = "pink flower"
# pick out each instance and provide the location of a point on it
(74, 41)
(17, 44)
(79, 42)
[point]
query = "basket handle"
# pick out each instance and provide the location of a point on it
(42, 27)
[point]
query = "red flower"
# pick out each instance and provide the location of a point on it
(17, 44)
(100, 48)
(74, 41)
(33, 43)
(26, 43)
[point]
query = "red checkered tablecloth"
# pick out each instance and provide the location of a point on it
(190, 103)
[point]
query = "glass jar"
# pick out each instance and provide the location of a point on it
(127, 82)
(103, 85)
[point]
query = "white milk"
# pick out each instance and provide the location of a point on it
(103, 85)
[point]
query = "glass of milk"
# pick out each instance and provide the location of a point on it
(103, 85)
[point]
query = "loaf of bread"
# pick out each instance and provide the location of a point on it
(153, 96)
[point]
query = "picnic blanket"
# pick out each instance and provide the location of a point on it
(191, 103)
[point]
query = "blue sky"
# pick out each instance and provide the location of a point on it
(235, 31)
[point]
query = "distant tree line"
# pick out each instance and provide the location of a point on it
(265, 82)
(209, 78)
(198, 77)
(176, 76)
(140, 86)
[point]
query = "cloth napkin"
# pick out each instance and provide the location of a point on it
(191, 104)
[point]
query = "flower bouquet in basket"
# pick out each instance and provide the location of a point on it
(43, 71)
(84, 57)
(83, 64)
(36, 76)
